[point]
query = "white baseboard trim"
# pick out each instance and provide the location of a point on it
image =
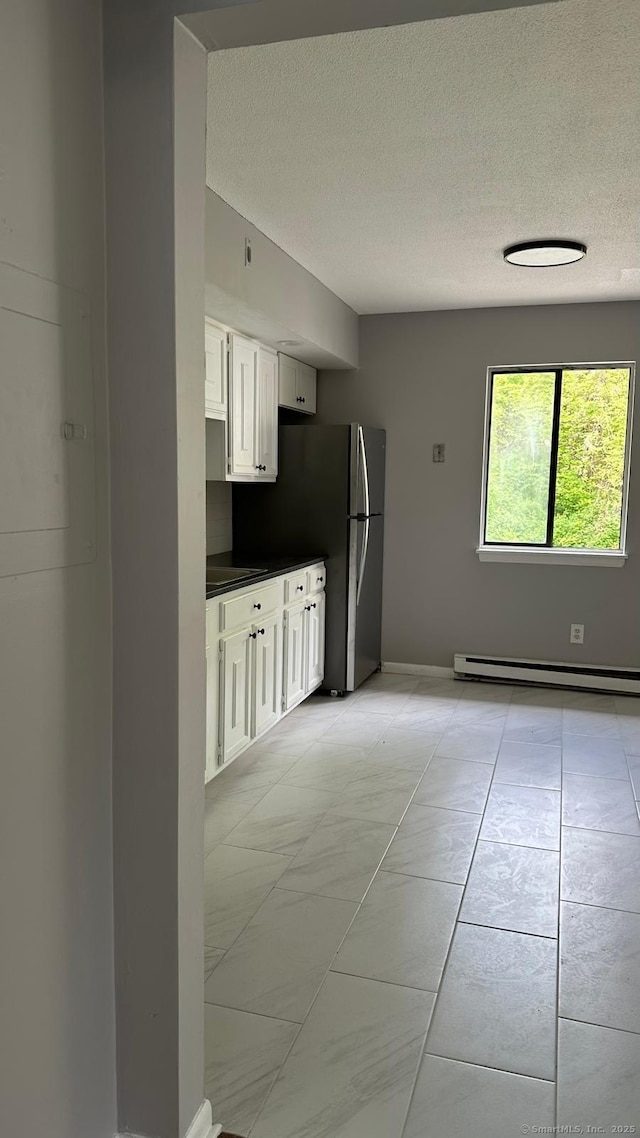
(202, 1125)
(418, 670)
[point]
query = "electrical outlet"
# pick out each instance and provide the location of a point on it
(577, 634)
(438, 452)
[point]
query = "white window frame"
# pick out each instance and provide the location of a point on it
(537, 555)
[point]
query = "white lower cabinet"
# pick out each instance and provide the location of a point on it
(314, 612)
(267, 674)
(303, 649)
(295, 671)
(212, 691)
(266, 665)
(234, 714)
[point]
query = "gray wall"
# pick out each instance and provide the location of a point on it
(155, 275)
(275, 299)
(57, 1074)
(219, 517)
(155, 147)
(422, 377)
(267, 21)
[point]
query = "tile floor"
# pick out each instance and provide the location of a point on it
(422, 917)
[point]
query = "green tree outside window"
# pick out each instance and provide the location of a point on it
(557, 449)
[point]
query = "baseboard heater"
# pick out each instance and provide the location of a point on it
(544, 672)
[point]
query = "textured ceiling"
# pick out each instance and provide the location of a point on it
(396, 163)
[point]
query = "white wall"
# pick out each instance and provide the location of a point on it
(57, 1073)
(422, 376)
(276, 298)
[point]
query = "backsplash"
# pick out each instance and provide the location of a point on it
(219, 530)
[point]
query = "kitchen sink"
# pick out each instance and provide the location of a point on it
(221, 574)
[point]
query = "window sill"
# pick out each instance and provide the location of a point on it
(610, 559)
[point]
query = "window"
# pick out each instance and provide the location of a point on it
(556, 461)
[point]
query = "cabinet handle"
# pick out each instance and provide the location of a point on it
(307, 608)
(257, 606)
(299, 588)
(313, 606)
(298, 399)
(253, 635)
(302, 399)
(319, 580)
(261, 631)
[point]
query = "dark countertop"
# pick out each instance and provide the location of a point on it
(269, 566)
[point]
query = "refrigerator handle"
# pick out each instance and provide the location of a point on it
(365, 470)
(367, 506)
(363, 557)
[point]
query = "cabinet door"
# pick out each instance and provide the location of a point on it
(215, 373)
(294, 656)
(243, 391)
(287, 382)
(267, 454)
(212, 698)
(307, 382)
(267, 674)
(235, 693)
(314, 613)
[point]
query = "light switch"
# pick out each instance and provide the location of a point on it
(74, 431)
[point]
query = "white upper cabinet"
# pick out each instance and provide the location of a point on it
(288, 381)
(307, 384)
(215, 364)
(267, 414)
(298, 383)
(241, 391)
(243, 398)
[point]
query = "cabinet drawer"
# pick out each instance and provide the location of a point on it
(250, 606)
(316, 579)
(295, 586)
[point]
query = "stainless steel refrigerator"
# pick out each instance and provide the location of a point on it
(328, 501)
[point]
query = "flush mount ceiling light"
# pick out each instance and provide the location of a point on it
(544, 254)
(289, 343)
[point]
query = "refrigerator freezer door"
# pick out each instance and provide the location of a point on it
(367, 471)
(364, 615)
(357, 493)
(375, 449)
